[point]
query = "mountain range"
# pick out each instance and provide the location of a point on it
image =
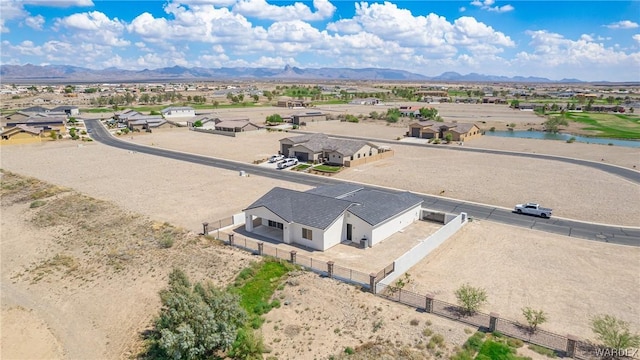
(68, 73)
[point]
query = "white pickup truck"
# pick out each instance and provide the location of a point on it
(533, 209)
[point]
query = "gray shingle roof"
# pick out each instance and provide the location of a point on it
(301, 207)
(337, 191)
(321, 206)
(375, 206)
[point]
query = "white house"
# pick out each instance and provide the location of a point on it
(328, 215)
(178, 111)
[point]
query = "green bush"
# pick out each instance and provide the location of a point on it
(37, 204)
(195, 321)
(248, 346)
(349, 350)
(474, 342)
(542, 351)
(571, 140)
(515, 343)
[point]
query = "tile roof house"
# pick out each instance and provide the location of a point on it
(240, 125)
(21, 134)
(439, 130)
(325, 216)
(321, 148)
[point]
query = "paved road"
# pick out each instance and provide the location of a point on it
(596, 232)
(628, 174)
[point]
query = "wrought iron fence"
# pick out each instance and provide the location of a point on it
(539, 337)
(350, 275)
(507, 327)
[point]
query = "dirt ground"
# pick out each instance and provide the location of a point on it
(76, 287)
(498, 180)
(87, 287)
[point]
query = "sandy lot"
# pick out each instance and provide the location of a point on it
(497, 180)
(570, 279)
(99, 311)
(80, 288)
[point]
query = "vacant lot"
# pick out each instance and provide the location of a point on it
(570, 279)
(499, 180)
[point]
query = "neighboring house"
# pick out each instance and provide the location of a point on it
(178, 111)
(124, 115)
(325, 216)
(321, 148)
(240, 125)
(291, 103)
(67, 109)
(412, 111)
(22, 134)
(439, 130)
(36, 109)
(146, 122)
(366, 101)
(46, 123)
(306, 117)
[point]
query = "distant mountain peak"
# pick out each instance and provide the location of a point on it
(68, 73)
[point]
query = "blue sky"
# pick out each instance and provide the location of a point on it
(587, 40)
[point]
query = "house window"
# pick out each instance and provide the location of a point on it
(307, 234)
(358, 156)
(276, 224)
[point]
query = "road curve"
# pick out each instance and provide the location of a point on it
(596, 232)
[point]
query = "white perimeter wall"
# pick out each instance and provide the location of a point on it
(426, 246)
(395, 224)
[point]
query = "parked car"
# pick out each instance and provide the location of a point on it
(533, 209)
(287, 162)
(276, 158)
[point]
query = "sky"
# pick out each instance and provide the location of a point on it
(586, 40)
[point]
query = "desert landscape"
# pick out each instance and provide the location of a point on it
(70, 278)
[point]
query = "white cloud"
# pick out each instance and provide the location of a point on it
(34, 22)
(624, 24)
(10, 10)
(462, 9)
(262, 10)
(552, 49)
(636, 37)
(198, 23)
(488, 6)
(60, 3)
(94, 27)
(345, 26)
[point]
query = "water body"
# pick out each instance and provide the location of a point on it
(564, 137)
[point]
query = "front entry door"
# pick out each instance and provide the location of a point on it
(349, 231)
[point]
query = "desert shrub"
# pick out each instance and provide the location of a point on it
(474, 342)
(349, 350)
(195, 321)
(427, 332)
(515, 343)
(167, 240)
(414, 322)
(542, 351)
(470, 298)
(248, 346)
(614, 333)
(571, 140)
(493, 128)
(37, 204)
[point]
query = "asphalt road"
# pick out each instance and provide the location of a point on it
(578, 229)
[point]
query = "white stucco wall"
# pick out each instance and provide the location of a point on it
(333, 235)
(360, 228)
(395, 224)
(266, 215)
(317, 236)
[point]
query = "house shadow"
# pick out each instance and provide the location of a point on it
(266, 235)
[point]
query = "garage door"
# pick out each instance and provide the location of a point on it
(302, 156)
